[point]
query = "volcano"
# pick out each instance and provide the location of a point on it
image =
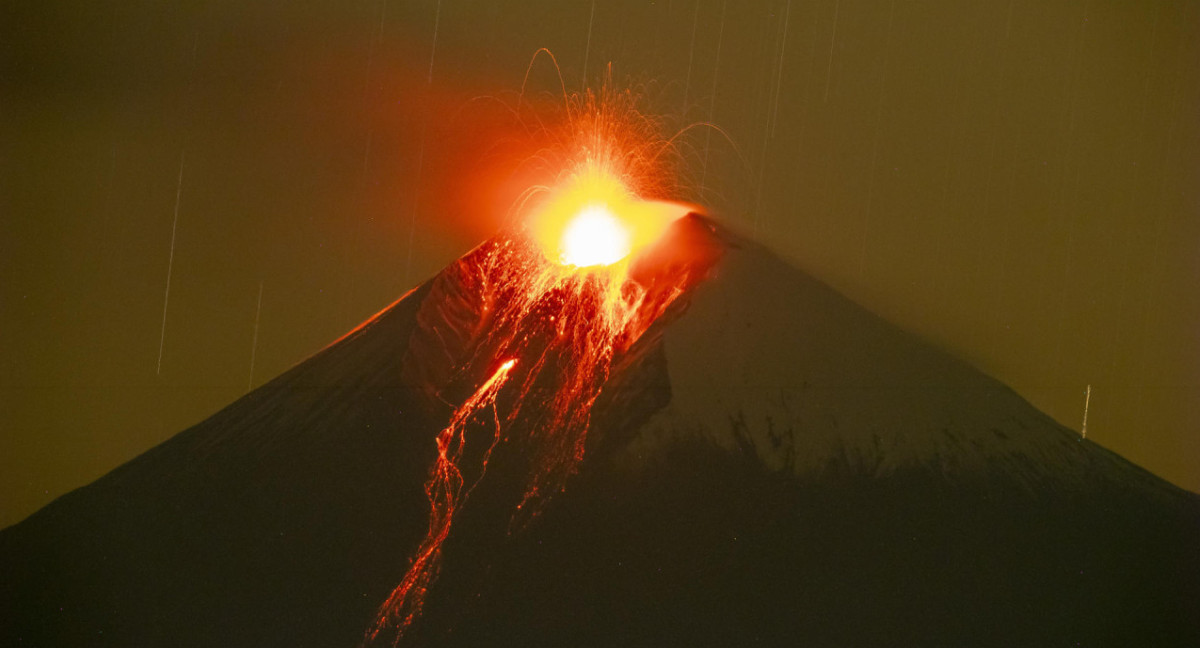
(766, 463)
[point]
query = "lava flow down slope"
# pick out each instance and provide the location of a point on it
(621, 423)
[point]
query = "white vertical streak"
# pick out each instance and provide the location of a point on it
(254, 344)
(1087, 399)
(862, 255)
(367, 85)
(687, 80)
(712, 103)
(412, 225)
(437, 17)
(587, 49)
(787, 13)
(832, 41)
(170, 262)
(768, 129)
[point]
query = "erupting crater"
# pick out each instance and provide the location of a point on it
(524, 331)
(594, 237)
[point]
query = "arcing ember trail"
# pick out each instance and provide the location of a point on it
(548, 307)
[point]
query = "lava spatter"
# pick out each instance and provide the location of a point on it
(551, 303)
(560, 328)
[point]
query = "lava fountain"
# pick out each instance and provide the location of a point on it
(551, 303)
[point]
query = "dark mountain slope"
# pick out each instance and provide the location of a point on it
(822, 478)
(274, 521)
(819, 477)
(769, 464)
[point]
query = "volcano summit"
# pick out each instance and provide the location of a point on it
(764, 463)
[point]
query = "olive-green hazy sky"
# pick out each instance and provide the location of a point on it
(1015, 180)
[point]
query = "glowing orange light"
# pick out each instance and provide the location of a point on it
(572, 265)
(594, 237)
(593, 219)
(446, 490)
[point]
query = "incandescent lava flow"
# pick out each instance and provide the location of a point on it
(528, 326)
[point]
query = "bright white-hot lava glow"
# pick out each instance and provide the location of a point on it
(594, 237)
(593, 219)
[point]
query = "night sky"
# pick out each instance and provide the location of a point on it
(1013, 180)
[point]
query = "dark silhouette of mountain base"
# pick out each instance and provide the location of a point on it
(771, 465)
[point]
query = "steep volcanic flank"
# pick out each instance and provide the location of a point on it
(766, 463)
